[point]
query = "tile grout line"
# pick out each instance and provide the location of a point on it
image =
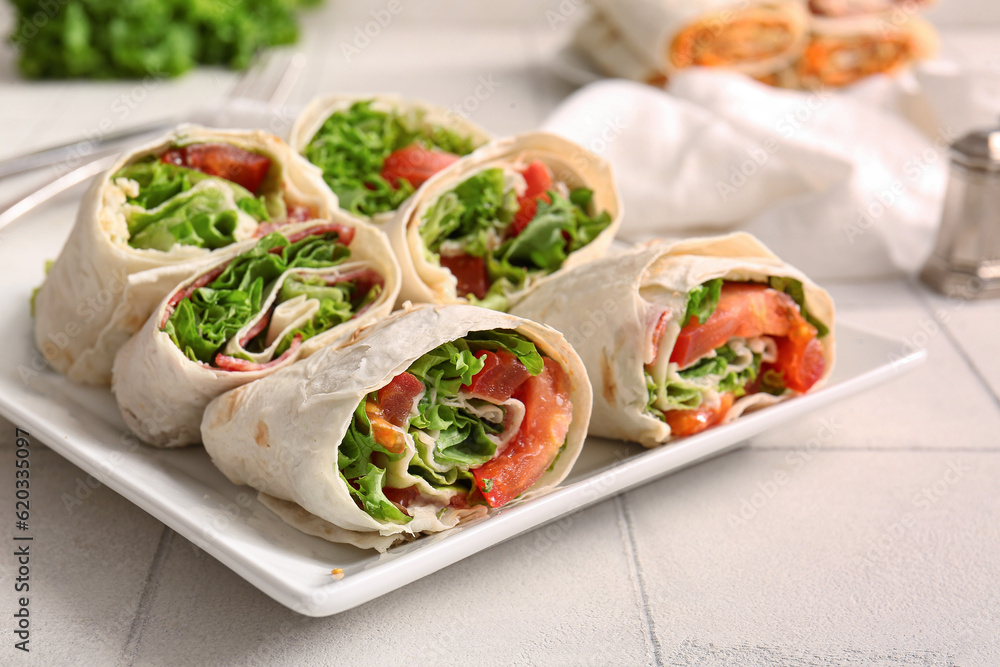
(955, 342)
(890, 450)
(638, 582)
(131, 645)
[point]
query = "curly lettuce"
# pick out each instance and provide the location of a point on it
(475, 218)
(351, 147)
(203, 323)
(176, 205)
(460, 437)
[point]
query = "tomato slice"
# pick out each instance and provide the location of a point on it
(396, 398)
(800, 363)
(502, 373)
(745, 310)
(539, 181)
(689, 422)
(548, 413)
(226, 161)
(415, 164)
(470, 272)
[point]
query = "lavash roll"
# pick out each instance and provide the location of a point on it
(162, 393)
(652, 31)
(100, 290)
(899, 41)
(602, 311)
(427, 282)
(312, 118)
(281, 434)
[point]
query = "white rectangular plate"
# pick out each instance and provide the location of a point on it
(183, 489)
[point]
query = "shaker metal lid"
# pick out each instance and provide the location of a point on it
(978, 150)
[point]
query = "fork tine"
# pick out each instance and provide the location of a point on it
(270, 77)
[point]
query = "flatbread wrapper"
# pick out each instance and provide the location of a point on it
(162, 393)
(100, 289)
(602, 311)
(427, 282)
(281, 434)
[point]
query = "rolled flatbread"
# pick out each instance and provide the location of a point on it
(375, 150)
(756, 38)
(842, 51)
(144, 214)
(338, 277)
(435, 415)
(659, 374)
(498, 223)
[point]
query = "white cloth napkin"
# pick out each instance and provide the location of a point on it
(832, 183)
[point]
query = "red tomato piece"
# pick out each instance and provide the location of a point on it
(396, 398)
(689, 422)
(415, 164)
(800, 362)
(548, 413)
(538, 178)
(502, 373)
(470, 272)
(401, 498)
(539, 181)
(745, 310)
(226, 161)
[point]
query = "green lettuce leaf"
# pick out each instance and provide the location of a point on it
(176, 214)
(363, 477)
(702, 302)
(202, 324)
(682, 393)
(351, 147)
(794, 289)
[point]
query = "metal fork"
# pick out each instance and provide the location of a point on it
(270, 79)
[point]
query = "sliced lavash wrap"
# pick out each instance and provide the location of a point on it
(608, 312)
(659, 35)
(281, 435)
(162, 392)
(100, 290)
(426, 281)
(444, 129)
(842, 51)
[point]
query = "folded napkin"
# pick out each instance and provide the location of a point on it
(837, 185)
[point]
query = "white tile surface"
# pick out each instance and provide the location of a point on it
(554, 596)
(89, 559)
(672, 574)
(857, 557)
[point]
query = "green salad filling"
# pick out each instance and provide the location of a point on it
(475, 219)
(202, 324)
(449, 432)
(352, 145)
(178, 205)
(731, 368)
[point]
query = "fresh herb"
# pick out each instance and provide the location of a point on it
(104, 39)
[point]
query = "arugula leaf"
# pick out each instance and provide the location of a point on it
(702, 302)
(794, 289)
(351, 147)
(202, 324)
